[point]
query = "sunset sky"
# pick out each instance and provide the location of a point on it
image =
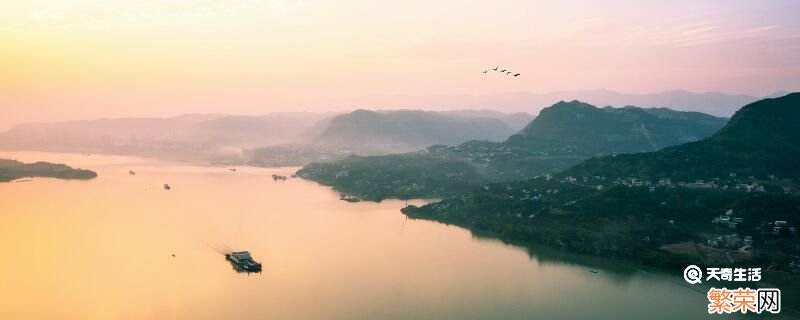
(86, 59)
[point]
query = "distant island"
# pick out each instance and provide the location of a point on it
(12, 170)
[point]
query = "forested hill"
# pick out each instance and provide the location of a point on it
(580, 127)
(561, 136)
(760, 140)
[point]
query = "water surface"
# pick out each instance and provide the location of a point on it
(102, 249)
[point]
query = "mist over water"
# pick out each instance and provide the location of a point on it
(102, 249)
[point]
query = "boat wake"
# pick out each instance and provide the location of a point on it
(221, 249)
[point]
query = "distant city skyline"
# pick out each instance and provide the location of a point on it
(92, 59)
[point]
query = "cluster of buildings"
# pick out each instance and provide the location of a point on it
(732, 241)
(534, 195)
(481, 153)
(749, 185)
(780, 225)
(728, 219)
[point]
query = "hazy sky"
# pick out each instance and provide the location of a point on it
(63, 59)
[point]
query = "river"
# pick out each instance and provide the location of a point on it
(102, 249)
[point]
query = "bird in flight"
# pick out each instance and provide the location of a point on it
(507, 71)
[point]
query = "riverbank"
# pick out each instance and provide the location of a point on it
(641, 259)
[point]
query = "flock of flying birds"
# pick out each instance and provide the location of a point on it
(506, 71)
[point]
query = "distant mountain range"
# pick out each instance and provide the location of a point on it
(274, 139)
(407, 130)
(366, 132)
(515, 120)
(713, 103)
(563, 135)
(761, 139)
(186, 137)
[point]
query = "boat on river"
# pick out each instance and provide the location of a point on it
(349, 198)
(244, 261)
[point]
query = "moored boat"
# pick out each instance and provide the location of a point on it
(349, 198)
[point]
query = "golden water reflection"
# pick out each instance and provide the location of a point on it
(102, 249)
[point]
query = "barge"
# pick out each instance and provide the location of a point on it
(244, 261)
